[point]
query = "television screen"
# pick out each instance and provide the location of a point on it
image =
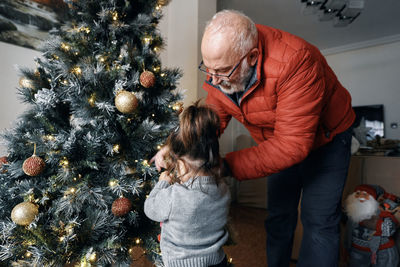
(373, 118)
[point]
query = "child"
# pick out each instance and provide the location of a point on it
(190, 198)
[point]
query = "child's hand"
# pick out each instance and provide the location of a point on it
(159, 160)
(165, 177)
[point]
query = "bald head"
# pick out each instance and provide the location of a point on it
(230, 30)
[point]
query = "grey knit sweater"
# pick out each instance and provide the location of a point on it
(194, 215)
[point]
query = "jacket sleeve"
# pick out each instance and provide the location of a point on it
(300, 93)
(158, 204)
(224, 117)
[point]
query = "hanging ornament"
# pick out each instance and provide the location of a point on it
(3, 160)
(121, 206)
(147, 79)
(163, 2)
(136, 252)
(33, 165)
(178, 107)
(24, 213)
(25, 82)
(126, 102)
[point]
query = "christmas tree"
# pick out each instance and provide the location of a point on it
(76, 175)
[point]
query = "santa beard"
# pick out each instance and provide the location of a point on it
(360, 211)
(230, 87)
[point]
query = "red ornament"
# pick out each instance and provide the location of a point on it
(121, 206)
(3, 160)
(33, 166)
(147, 79)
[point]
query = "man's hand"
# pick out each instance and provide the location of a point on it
(159, 160)
(164, 176)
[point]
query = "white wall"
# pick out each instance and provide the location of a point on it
(10, 105)
(372, 75)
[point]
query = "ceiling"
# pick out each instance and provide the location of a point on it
(378, 22)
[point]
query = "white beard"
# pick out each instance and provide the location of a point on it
(360, 211)
(239, 85)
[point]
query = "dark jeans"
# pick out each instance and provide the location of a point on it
(223, 263)
(319, 180)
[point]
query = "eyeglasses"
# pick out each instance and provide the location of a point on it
(203, 68)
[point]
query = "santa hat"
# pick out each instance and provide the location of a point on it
(374, 190)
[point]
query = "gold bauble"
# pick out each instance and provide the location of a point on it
(25, 82)
(178, 107)
(126, 102)
(163, 2)
(24, 213)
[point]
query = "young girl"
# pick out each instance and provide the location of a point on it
(190, 198)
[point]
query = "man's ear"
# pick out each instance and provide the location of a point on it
(253, 56)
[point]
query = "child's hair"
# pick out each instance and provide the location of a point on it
(195, 142)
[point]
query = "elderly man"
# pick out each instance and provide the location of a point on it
(283, 91)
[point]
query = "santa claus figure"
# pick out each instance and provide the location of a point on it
(373, 221)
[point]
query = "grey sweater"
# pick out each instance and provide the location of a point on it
(194, 216)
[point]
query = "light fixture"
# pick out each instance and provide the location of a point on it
(341, 12)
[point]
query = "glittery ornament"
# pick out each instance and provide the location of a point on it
(24, 213)
(178, 107)
(3, 160)
(126, 102)
(163, 2)
(33, 165)
(147, 79)
(121, 206)
(137, 253)
(25, 82)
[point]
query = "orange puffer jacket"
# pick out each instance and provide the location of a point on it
(296, 105)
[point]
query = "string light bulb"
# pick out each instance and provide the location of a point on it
(137, 241)
(28, 254)
(64, 162)
(69, 229)
(102, 59)
(112, 183)
(116, 148)
(93, 257)
(85, 29)
(147, 39)
(92, 99)
(65, 47)
(76, 70)
(49, 137)
(145, 163)
(115, 15)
